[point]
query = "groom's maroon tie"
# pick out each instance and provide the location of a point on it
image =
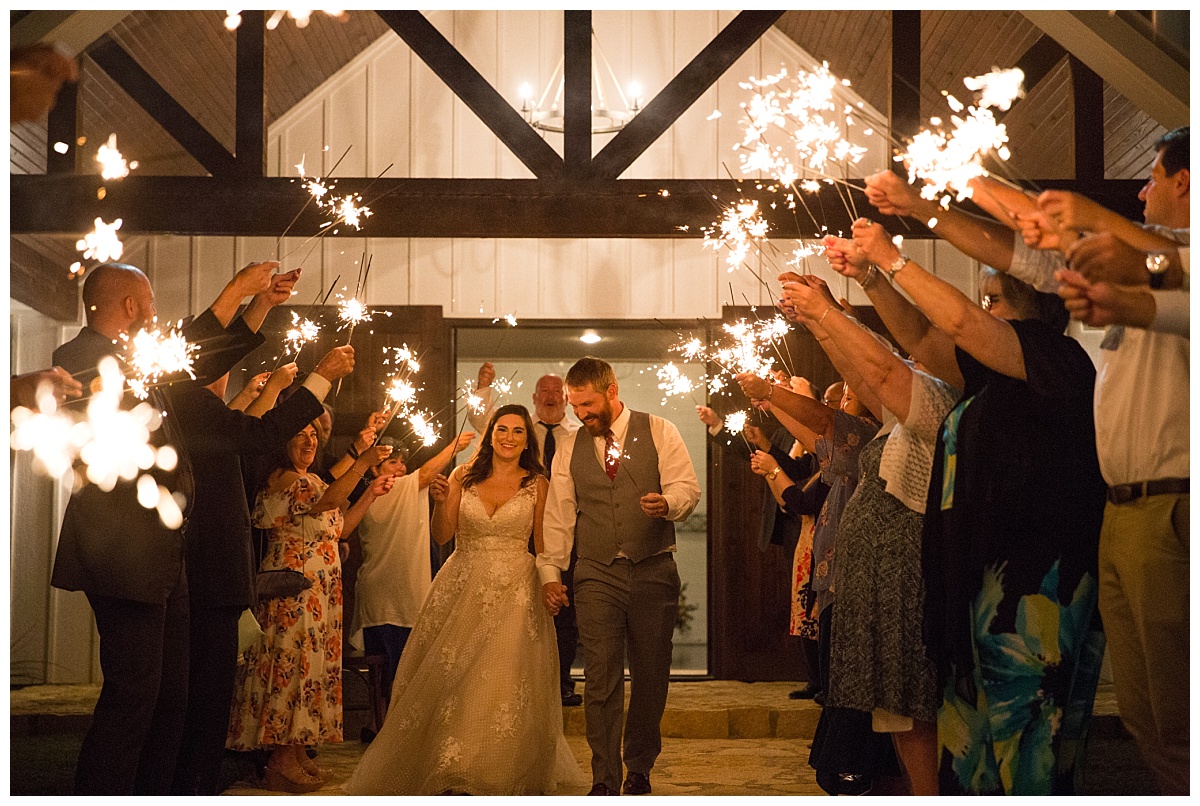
(611, 462)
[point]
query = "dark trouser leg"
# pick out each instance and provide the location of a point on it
(139, 716)
(566, 630)
(602, 599)
(214, 649)
(653, 610)
(812, 658)
(387, 640)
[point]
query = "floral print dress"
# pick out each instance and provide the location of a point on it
(289, 685)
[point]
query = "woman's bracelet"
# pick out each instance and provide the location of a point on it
(353, 452)
(821, 321)
(871, 276)
(770, 391)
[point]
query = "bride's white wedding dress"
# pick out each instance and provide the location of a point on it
(475, 706)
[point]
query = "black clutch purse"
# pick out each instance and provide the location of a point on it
(280, 584)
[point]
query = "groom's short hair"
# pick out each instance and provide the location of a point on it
(594, 371)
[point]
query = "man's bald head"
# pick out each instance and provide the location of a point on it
(549, 399)
(117, 298)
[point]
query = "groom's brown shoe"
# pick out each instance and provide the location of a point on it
(636, 783)
(602, 789)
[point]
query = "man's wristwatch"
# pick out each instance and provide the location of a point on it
(1157, 264)
(898, 264)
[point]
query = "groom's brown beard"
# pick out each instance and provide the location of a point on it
(603, 421)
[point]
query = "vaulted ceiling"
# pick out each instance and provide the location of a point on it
(1054, 131)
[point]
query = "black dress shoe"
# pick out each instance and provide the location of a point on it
(602, 789)
(636, 783)
(572, 699)
(806, 693)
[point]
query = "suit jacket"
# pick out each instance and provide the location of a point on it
(221, 561)
(109, 544)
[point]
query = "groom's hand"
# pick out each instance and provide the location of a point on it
(554, 597)
(654, 505)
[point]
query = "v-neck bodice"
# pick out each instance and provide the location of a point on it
(508, 527)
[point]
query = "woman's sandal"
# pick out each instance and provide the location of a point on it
(277, 781)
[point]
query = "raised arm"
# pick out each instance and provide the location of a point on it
(337, 495)
(382, 485)
(990, 340)
(911, 328)
(987, 240)
(816, 417)
(278, 380)
(437, 464)
(862, 359)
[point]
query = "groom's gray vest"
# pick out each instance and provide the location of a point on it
(609, 518)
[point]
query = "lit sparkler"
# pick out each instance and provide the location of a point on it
(947, 161)
(153, 354)
(735, 422)
(673, 382)
(112, 164)
(102, 243)
(739, 228)
(301, 333)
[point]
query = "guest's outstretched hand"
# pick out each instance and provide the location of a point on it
(337, 363)
(439, 488)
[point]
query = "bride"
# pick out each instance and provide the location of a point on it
(475, 707)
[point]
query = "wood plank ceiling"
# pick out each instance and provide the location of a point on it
(191, 54)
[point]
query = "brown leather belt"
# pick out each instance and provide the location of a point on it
(1124, 493)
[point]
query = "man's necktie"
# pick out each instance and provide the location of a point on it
(548, 446)
(611, 461)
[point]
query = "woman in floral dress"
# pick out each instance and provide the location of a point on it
(288, 692)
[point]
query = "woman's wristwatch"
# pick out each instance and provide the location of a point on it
(773, 473)
(898, 264)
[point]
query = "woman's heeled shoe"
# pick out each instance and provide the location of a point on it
(277, 781)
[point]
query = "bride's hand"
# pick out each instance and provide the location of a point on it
(554, 597)
(439, 488)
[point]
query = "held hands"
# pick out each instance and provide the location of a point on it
(337, 363)
(807, 299)
(382, 485)
(372, 456)
(763, 463)
(280, 379)
(554, 597)
(1070, 211)
(464, 439)
(249, 392)
(1101, 304)
(654, 505)
(366, 437)
(1039, 231)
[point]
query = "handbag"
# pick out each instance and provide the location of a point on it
(280, 584)
(249, 632)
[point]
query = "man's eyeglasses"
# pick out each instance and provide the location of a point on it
(989, 301)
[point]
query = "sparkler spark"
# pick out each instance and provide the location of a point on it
(510, 319)
(301, 333)
(739, 228)
(112, 164)
(673, 382)
(735, 422)
(102, 243)
(947, 161)
(153, 354)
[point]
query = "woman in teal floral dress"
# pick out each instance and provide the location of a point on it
(288, 691)
(1011, 533)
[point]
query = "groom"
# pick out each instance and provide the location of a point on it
(615, 490)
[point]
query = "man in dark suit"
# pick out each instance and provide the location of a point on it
(221, 564)
(128, 563)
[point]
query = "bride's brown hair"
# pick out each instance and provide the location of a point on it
(480, 468)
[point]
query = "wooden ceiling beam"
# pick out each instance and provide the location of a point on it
(681, 92)
(250, 125)
(904, 107)
(1087, 91)
(62, 126)
(164, 109)
(474, 90)
(445, 208)
(577, 94)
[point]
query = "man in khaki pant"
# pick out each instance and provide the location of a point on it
(616, 490)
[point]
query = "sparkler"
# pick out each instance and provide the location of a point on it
(155, 353)
(112, 164)
(673, 382)
(735, 423)
(113, 444)
(102, 243)
(301, 333)
(947, 161)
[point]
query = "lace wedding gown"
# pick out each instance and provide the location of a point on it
(475, 706)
